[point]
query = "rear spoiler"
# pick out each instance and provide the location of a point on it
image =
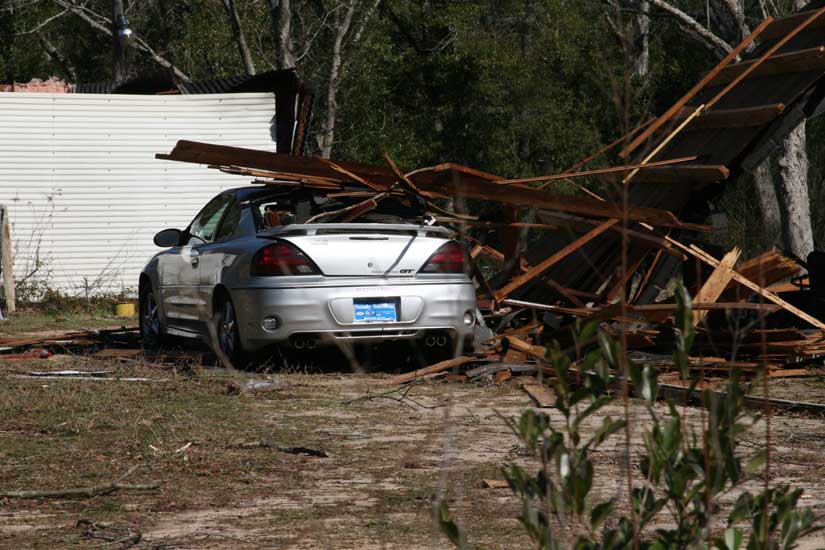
(344, 228)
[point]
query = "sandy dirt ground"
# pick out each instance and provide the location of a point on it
(194, 431)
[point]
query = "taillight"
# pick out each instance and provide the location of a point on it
(450, 258)
(281, 259)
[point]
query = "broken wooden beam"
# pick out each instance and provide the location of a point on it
(598, 171)
(697, 252)
(681, 174)
(781, 27)
(432, 369)
(540, 268)
(792, 62)
(716, 283)
(732, 118)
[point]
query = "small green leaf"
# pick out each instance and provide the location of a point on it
(733, 539)
(600, 513)
(757, 462)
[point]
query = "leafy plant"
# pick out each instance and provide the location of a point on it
(684, 473)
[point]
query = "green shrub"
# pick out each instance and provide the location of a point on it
(684, 474)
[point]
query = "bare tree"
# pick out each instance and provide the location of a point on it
(281, 14)
(340, 47)
(238, 34)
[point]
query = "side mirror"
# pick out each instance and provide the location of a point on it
(168, 238)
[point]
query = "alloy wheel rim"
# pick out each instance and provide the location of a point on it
(151, 323)
(228, 328)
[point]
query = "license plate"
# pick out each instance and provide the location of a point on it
(375, 311)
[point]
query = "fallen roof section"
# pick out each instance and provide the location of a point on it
(445, 180)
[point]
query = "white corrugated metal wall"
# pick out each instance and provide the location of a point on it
(84, 191)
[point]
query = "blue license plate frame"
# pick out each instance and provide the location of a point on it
(367, 311)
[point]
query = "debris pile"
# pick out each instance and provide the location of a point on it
(546, 261)
(610, 257)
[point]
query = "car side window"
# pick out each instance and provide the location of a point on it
(204, 225)
(230, 222)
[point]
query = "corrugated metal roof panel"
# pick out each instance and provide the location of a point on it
(84, 191)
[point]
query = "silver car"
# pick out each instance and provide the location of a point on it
(245, 274)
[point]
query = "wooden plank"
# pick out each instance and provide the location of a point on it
(697, 252)
(793, 373)
(598, 171)
(520, 345)
(690, 173)
(495, 484)
(223, 155)
(503, 375)
(540, 394)
(765, 57)
(432, 369)
(641, 138)
(6, 262)
(716, 283)
(781, 27)
(792, 62)
(540, 268)
(534, 198)
(733, 118)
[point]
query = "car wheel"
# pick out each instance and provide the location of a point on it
(151, 330)
(228, 334)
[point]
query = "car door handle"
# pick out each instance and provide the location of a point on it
(194, 257)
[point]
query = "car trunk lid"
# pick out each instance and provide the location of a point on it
(358, 250)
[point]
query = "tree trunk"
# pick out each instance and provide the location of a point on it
(768, 203)
(337, 67)
(642, 59)
(118, 62)
(342, 27)
(237, 33)
(797, 233)
(282, 31)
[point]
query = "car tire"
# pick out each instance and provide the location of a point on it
(151, 328)
(227, 334)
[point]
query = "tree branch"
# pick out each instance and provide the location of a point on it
(42, 24)
(240, 39)
(140, 44)
(58, 58)
(707, 38)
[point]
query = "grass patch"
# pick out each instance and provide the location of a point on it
(29, 321)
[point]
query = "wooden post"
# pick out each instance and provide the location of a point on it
(6, 260)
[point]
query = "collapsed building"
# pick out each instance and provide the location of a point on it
(610, 258)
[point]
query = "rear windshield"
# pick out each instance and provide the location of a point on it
(278, 210)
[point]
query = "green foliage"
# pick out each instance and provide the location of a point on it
(685, 473)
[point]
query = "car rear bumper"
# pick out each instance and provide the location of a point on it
(324, 314)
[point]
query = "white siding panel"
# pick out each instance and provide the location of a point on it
(84, 191)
